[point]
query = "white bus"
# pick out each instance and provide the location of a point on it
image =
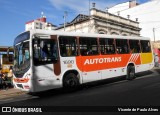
(45, 59)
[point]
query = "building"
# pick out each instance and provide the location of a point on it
(39, 23)
(147, 14)
(102, 22)
(122, 6)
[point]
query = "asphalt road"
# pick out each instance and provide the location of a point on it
(142, 91)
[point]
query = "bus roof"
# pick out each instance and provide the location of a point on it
(62, 33)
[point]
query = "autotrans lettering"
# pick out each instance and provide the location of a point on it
(102, 60)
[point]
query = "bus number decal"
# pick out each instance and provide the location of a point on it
(68, 62)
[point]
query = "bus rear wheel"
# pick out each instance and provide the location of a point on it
(130, 72)
(70, 82)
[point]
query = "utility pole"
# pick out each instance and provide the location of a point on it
(89, 7)
(154, 34)
(65, 15)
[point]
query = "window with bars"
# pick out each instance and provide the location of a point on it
(145, 46)
(122, 46)
(134, 46)
(107, 46)
(88, 46)
(68, 46)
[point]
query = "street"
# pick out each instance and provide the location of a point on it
(142, 91)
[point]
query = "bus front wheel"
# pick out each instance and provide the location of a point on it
(70, 82)
(130, 72)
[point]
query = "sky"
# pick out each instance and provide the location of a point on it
(15, 13)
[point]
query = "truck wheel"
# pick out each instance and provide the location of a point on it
(130, 73)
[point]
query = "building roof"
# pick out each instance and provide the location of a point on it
(79, 17)
(43, 19)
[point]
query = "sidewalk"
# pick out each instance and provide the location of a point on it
(11, 92)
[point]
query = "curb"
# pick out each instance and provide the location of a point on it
(12, 94)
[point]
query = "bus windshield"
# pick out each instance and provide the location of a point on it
(21, 58)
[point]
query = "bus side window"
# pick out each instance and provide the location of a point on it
(88, 46)
(107, 46)
(63, 51)
(145, 46)
(68, 46)
(69, 52)
(134, 46)
(122, 46)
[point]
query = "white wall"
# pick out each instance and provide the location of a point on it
(148, 15)
(36, 24)
(119, 7)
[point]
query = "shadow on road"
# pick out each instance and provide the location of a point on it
(149, 72)
(157, 70)
(56, 92)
